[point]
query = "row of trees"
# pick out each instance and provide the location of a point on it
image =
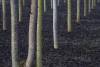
(88, 5)
(15, 18)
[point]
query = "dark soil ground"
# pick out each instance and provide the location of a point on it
(80, 48)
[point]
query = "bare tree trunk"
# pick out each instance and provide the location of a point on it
(78, 11)
(39, 36)
(31, 49)
(69, 15)
(85, 7)
(20, 10)
(45, 8)
(89, 6)
(55, 24)
(14, 35)
(95, 2)
(4, 14)
(23, 3)
(51, 4)
(92, 4)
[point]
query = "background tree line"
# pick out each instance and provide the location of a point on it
(35, 34)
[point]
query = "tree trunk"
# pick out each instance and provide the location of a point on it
(20, 10)
(45, 8)
(39, 35)
(14, 34)
(89, 7)
(51, 4)
(31, 49)
(23, 3)
(4, 14)
(95, 2)
(55, 23)
(92, 4)
(78, 11)
(69, 15)
(85, 7)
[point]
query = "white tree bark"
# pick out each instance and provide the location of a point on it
(55, 24)
(31, 47)
(69, 15)
(4, 14)
(14, 34)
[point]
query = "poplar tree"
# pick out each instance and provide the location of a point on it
(51, 4)
(69, 15)
(78, 11)
(45, 6)
(95, 2)
(55, 24)
(20, 10)
(23, 2)
(31, 47)
(4, 14)
(14, 34)
(89, 6)
(39, 35)
(85, 7)
(92, 4)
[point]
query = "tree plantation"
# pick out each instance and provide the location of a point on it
(49, 33)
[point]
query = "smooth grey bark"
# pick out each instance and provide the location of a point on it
(51, 4)
(20, 10)
(85, 7)
(92, 4)
(89, 5)
(31, 47)
(39, 35)
(14, 34)
(69, 15)
(55, 24)
(45, 6)
(4, 14)
(78, 11)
